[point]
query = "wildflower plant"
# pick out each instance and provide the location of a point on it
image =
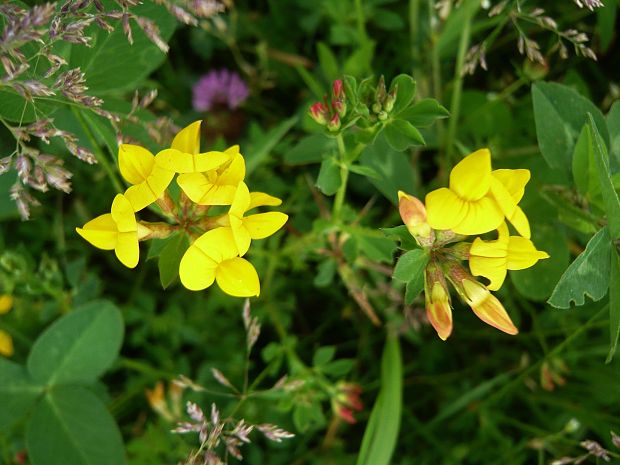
(207, 179)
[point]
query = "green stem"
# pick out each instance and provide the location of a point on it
(455, 104)
(101, 158)
(344, 177)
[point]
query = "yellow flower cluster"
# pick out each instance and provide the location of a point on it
(206, 179)
(477, 201)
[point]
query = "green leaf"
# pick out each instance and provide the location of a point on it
(402, 235)
(394, 168)
(366, 171)
(413, 288)
(588, 275)
(614, 304)
(613, 124)
(401, 135)
(328, 61)
(323, 355)
(338, 368)
(606, 22)
(560, 113)
(378, 249)
(538, 282)
(424, 113)
(260, 149)
(325, 273)
(584, 177)
(329, 176)
(410, 265)
(388, 20)
(405, 92)
(112, 64)
(78, 347)
(359, 62)
(610, 196)
(18, 393)
(310, 149)
(72, 426)
(157, 245)
(16, 109)
(383, 425)
(170, 259)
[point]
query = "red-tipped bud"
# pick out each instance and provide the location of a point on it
(347, 401)
(319, 112)
(334, 123)
(340, 107)
(437, 296)
(413, 213)
(338, 89)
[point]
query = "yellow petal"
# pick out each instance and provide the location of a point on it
(6, 303)
(237, 277)
(218, 195)
(6, 344)
(444, 209)
(520, 222)
(134, 162)
(522, 253)
(241, 201)
(127, 250)
(486, 307)
(197, 270)
(175, 160)
(123, 214)
(232, 150)
(234, 173)
(100, 232)
(482, 216)
(263, 225)
(209, 161)
(470, 179)
(140, 196)
(188, 139)
(240, 235)
(260, 199)
(514, 181)
(194, 185)
(494, 269)
(159, 180)
(503, 198)
(218, 244)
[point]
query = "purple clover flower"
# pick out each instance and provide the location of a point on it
(219, 87)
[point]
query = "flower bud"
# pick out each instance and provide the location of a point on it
(390, 99)
(340, 107)
(347, 401)
(319, 112)
(338, 89)
(413, 214)
(334, 123)
(437, 296)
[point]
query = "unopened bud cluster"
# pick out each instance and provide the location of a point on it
(329, 112)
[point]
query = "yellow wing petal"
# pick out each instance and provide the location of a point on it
(520, 222)
(123, 214)
(196, 271)
(175, 160)
(241, 201)
(100, 232)
(134, 162)
(522, 253)
(444, 209)
(195, 185)
(188, 139)
(127, 250)
(218, 195)
(217, 244)
(260, 199)
(209, 161)
(494, 269)
(159, 180)
(470, 179)
(263, 225)
(140, 196)
(241, 236)
(234, 173)
(482, 216)
(514, 181)
(237, 277)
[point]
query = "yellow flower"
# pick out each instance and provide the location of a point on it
(213, 257)
(184, 154)
(149, 178)
(6, 341)
(215, 187)
(492, 259)
(258, 226)
(478, 199)
(437, 297)
(116, 231)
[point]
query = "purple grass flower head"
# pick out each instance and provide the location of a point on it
(219, 88)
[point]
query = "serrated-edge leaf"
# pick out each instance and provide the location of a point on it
(573, 285)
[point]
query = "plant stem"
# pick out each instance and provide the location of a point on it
(344, 177)
(455, 104)
(101, 158)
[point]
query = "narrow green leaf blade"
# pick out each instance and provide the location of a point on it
(381, 432)
(78, 347)
(588, 275)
